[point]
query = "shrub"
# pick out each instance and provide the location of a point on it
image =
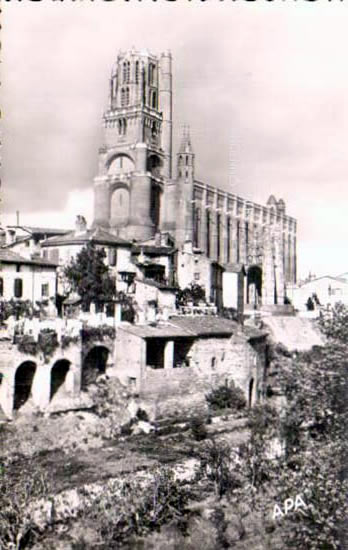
(48, 342)
(219, 464)
(226, 397)
(198, 429)
(142, 415)
(26, 344)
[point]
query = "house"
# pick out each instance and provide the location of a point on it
(26, 279)
(62, 249)
(323, 291)
(175, 363)
(25, 240)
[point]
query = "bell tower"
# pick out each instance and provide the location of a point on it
(135, 158)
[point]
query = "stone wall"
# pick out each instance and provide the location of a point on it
(213, 362)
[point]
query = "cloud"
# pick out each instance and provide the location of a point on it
(271, 82)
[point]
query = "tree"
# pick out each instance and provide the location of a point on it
(89, 276)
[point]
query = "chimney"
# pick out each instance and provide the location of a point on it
(80, 224)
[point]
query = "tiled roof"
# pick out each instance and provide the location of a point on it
(9, 257)
(205, 325)
(193, 327)
(41, 230)
(98, 236)
(160, 330)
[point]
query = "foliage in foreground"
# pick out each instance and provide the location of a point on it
(226, 396)
(88, 275)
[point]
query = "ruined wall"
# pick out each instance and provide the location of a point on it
(214, 361)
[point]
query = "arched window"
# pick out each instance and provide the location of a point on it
(124, 72)
(119, 123)
(123, 97)
(186, 160)
(127, 96)
(128, 71)
(137, 72)
(18, 288)
(1, 286)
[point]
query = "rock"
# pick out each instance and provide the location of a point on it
(143, 427)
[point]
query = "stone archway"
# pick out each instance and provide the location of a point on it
(93, 365)
(23, 382)
(58, 376)
(254, 285)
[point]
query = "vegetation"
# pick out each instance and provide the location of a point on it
(226, 396)
(230, 501)
(89, 276)
(97, 334)
(194, 293)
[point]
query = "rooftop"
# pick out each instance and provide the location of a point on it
(97, 236)
(9, 257)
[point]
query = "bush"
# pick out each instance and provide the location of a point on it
(226, 397)
(198, 429)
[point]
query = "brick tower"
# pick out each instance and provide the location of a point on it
(135, 161)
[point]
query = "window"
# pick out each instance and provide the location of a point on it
(123, 97)
(154, 100)
(1, 286)
(124, 73)
(228, 239)
(208, 233)
(18, 288)
(137, 72)
(112, 255)
(218, 236)
(197, 276)
(127, 96)
(44, 290)
(27, 244)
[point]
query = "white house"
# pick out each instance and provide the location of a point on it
(327, 289)
(26, 279)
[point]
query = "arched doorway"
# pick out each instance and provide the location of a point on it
(58, 375)
(93, 365)
(251, 389)
(254, 282)
(23, 382)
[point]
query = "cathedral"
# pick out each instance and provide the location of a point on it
(139, 193)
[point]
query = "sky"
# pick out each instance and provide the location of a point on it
(263, 87)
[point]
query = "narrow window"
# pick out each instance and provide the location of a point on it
(123, 97)
(137, 72)
(218, 223)
(208, 233)
(128, 71)
(127, 96)
(18, 288)
(238, 241)
(154, 100)
(1, 286)
(124, 74)
(228, 239)
(44, 290)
